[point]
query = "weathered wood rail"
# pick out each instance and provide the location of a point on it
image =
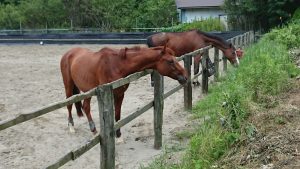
(106, 110)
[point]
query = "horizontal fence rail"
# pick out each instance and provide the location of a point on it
(28, 116)
(52, 37)
(105, 102)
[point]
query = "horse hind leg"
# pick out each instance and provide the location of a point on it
(78, 104)
(69, 107)
(69, 86)
(87, 110)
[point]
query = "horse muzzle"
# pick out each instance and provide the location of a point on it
(182, 79)
(237, 62)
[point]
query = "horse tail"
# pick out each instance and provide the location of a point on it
(78, 104)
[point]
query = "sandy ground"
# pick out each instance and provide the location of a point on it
(30, 78)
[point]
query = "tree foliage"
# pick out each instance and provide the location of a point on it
(108, 15)
(259, 15)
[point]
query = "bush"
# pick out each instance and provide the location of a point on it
(288, 35)
(296, 15)
(210, 24)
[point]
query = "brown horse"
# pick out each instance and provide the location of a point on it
(83, 70)
(185, 42)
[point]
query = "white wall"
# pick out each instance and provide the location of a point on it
(189, 15)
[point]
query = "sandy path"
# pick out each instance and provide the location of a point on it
(30, 78)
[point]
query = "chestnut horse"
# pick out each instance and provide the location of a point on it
(185, 42)
(83, 69)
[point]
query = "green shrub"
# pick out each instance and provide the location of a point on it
(296, 15)
(288, 35)
(210, 24)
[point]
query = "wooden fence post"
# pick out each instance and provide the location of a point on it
(235, 39)
(158, 108)
(233, 42)
(246, 37)
(107, 132)
(188, 98)
(205, 74)
(238, 41)
(216, 63)
(252, 37)
(243, 40)
(248, 42)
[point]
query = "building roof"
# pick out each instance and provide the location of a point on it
(198, 3)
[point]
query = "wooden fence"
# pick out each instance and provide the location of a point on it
(106, 109)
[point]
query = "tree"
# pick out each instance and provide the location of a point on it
(10, 17)
(259, 15)
(156, 13)
(108, 15)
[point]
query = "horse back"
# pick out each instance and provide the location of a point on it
(183, 42)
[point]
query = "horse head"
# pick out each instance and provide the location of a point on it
(167, 65)
(239, 53)
(231, 55)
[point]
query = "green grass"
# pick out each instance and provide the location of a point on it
(264, 73)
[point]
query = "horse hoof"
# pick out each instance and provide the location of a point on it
(196, 83)
(120, 140)
(71, 128)
(94, 131)
(152, 83)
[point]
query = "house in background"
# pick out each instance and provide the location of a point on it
(191, 10)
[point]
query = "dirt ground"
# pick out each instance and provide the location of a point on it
(30, 79)
(275, 140)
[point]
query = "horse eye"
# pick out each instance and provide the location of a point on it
(170, 62)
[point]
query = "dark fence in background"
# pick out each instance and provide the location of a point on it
(88, 38)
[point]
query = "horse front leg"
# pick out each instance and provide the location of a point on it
(197, 60)
(87, 110)
(118, 104)
(118, 100)
(152, 79)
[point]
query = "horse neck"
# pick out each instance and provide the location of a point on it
(138, 61)
(215, 42)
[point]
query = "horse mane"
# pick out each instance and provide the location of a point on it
(122, 52)
(164, 48)
(135, 48)
(212, 36)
